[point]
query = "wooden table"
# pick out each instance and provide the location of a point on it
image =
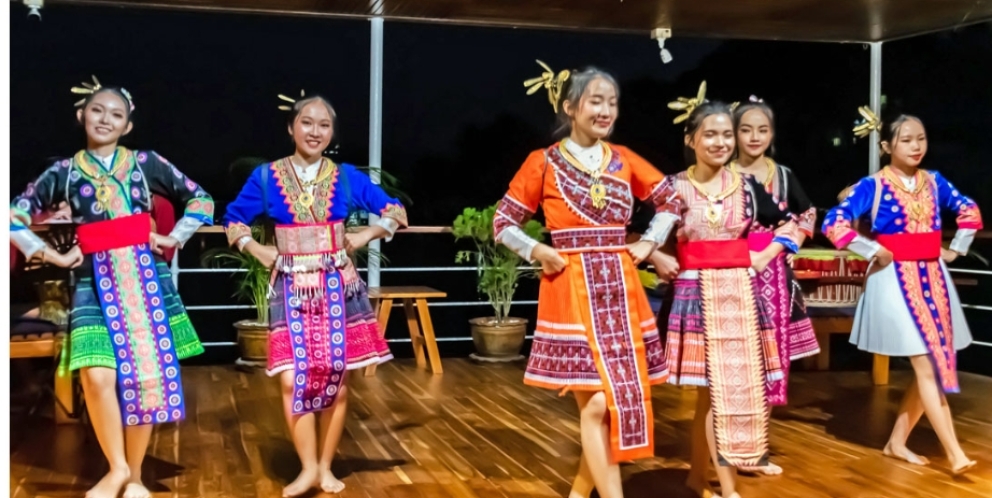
(49, 345)
(421, 331)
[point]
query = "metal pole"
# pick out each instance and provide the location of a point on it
(375, 136)
(875, 104)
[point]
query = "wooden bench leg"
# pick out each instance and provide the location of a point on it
(65, 400)
(429, 339)
(382, 309)
(823, 359)
(415, 338)
(880, 370)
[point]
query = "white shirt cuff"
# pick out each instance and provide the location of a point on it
(962, 240)
(864, 247)
(518, 242)
(660, 227)
(243, 241)
(390, 225)
(27, 242)
(184, 229)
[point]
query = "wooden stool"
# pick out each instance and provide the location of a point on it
(384, 297)
(49, 345)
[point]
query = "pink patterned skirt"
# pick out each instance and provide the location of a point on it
(364, 344)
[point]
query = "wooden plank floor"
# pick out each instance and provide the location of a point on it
(477, 431)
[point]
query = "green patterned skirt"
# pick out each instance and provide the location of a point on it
(89, 340)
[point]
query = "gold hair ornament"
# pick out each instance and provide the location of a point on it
(290, 100)
(552, 83)
(688, 104)
(869, 124)
(92, 88)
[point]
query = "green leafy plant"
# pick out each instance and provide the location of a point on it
(254, 279)
(498, 267)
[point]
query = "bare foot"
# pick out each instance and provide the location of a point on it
(963, 466)
(329, 483)
(136, 490)
(769, 470)
(110, 485)
(904, 454)
(306, 480)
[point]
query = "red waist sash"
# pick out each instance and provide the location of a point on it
(912, 246)
(758, 241)
(113, 234)
(713, 254)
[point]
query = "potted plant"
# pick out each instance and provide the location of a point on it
(499, 337)
(254, 278)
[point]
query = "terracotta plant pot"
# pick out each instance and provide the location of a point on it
(498, 342)
(253, 341)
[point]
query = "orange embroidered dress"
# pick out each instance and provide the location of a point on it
(595, 328)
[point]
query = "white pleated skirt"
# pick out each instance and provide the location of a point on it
(883, 323)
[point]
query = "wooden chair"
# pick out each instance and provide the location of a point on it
(33, 341)
(421, 331)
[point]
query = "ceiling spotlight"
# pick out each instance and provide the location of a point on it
(662, 34)
(34, 8)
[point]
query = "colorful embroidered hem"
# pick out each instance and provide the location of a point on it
(925, 292)
(149, 387)
(734, 358)
(619, 356)
(316, 321)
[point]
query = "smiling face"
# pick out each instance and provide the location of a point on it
(313, 129)
(754, 133)
(105, 118)
(595, 113)
(713, 141)
(908, 145)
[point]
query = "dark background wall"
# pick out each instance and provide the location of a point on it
(458, 122)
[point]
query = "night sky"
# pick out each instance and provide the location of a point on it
(457, 122)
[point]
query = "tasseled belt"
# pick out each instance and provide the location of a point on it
(308, 252)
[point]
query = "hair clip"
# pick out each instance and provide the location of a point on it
(554, 84)
(292, 101)
(756, 100)
(869, 124)
(127, 95)
(688, 104)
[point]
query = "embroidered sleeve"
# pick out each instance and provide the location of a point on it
(166, 180)
(372, 198)
(969, 218)
(771, 213)
(837, 224)
(41, 195)
(247, 206)
(519, 205)
(651, 185)
(800, 205)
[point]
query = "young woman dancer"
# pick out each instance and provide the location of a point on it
(596, 335)
(320, 314)
(128, 327)
(754, 125)
(720, 336)
(910, 306)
